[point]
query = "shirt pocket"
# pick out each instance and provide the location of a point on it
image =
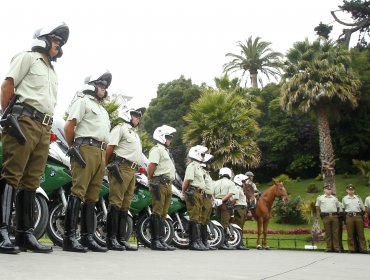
(38, 76)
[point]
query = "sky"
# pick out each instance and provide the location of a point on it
(144, 43)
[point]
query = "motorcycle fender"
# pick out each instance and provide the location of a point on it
(41, 191)
(169, 218)
(235, 226)
(187, 217)
(216, 223)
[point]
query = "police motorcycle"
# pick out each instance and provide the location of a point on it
(177, 211)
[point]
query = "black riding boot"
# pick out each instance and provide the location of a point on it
(6, 200)
(226, 245)
(241, 246)
(155, 244)
(194, 237)
(88, 228)
(204, 235)
(199, 238)
(161, 236)
(70, 242)
(112, 228)
(24, 238)
(121, 235)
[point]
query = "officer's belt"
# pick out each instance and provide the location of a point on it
(163, 179)
(237, 207)
(353, 214)
(91, 141)
(23, 109)
(207, 195)
(131, 164)
(329, 214)
(197, 189)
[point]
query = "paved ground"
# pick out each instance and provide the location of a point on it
(182, 264)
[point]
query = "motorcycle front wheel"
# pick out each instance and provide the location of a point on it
(100, 234)
(143, 231)
(180, 236)
(235, 237)
(216, 236)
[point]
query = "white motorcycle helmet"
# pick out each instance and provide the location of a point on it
(127, 113)
(197, 153)
(238, 179)
(225, 172)
(42, 38)
(161, 132)
(99, 78)
(208, 158)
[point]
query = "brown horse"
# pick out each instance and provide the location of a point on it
(262, 212)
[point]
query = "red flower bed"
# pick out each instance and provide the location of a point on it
(293, 231)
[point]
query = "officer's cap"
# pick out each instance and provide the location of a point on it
(328, 187)
(350, 187)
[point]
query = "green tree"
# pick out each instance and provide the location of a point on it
(171, 104)
(323, 30)
(364, 167)
(225, 123)
(317, 78)
(256, 56)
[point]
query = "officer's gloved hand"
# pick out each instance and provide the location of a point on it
(216, 202)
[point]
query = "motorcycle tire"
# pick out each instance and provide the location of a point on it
(41, 216)
(143, 231)
(235, 238)
(100, 234)
(217, 237)
(180, 237)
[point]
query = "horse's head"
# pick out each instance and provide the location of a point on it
(281, 191)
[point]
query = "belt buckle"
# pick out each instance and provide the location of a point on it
(354, 214)
(133, 165)
(46, 119)
(102, 146)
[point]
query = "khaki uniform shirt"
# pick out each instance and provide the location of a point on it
(250, 182)
(328, 203)
(223, 187)
(367, 202)
(209, 189)
(35, 81)
(91, 118)
(126, 141)
(352, 204)
(240, 196)
(195, 174)
(160, 155)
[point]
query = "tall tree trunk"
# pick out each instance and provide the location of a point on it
(326, 149)
(253, 74)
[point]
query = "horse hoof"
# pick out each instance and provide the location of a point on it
(267, 248)
(259, 247)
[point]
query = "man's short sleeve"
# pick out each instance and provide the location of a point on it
(77, 110)
(154, 155)
(190, 172)
(115, 136)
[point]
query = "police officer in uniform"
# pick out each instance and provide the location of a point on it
(86, 130)
(124, 150)
(193, 188)
(33, 81)
(327, 207)
(161, 173)
(367, 206)
(226, 191)
(256, 193)
(208, 197)
(354, 209)
(240, 207)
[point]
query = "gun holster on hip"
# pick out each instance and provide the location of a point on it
(10, 122)
(74, 153)
(190, 195)
(156, 187)
(114, 168)
(229, 205)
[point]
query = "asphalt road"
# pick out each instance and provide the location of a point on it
(183, 264)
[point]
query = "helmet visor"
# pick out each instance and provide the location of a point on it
(57, 38)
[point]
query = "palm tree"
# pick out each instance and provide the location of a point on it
(256, 56)
(226, 124)
(318, 77)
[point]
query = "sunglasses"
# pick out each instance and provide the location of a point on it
(169, 136)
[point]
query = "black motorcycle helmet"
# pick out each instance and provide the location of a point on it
(42, 38)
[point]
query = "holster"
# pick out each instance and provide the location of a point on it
(113, 167)
(156, 187)
(229, 205)
(10, 122)
(74, 153)
(190, 195)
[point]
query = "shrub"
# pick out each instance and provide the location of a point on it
(298, 179)
(289, 212)
(283, 178)
(312, 188)
(319, 177)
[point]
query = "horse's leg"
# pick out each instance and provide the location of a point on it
(265, 224)
(259, 225)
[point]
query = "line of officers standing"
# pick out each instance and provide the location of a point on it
(28, 97)
(350, 212)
